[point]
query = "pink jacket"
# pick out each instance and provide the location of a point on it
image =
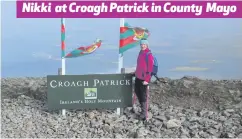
(142, 72)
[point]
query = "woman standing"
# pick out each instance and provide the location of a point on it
(143, 72)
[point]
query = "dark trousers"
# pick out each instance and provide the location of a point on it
(142, 95)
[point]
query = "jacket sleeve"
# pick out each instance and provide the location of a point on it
(149, 67)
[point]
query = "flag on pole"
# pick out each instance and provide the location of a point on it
(131, 36)
(63, 36)
(121, 56)
(85, 50)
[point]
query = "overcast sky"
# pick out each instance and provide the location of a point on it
(208, 48)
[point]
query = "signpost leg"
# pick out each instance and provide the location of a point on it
(120, 110)
(60, 73)
(134, 99)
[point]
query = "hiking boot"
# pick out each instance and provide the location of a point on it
(144, 112)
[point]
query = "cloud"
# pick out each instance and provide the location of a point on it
(115, 62)
(160, 44)
(95, 58)
(46, 56)
(214, 45)
(110, 62)
(205, 61)
(99, 54)
(78, 29)
(109, 47)
(103, 61)
(112, 71)
(184, 69)
(161, 52)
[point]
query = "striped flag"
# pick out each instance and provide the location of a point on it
(63, 36)
(85, 50)
(131, 36)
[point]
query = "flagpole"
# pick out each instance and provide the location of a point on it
(63, 62)
(120, 61)
(121, 54)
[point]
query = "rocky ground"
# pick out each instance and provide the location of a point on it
(188, 107)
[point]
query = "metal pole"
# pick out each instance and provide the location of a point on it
(63, 62)
(120, 65)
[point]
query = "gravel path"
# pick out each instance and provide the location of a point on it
(188, 107)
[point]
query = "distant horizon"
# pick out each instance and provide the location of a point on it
(205, 48)
(152, 79)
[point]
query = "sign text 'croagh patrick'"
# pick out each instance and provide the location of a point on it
(89, 91)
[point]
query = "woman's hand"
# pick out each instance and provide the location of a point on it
(145, 83)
